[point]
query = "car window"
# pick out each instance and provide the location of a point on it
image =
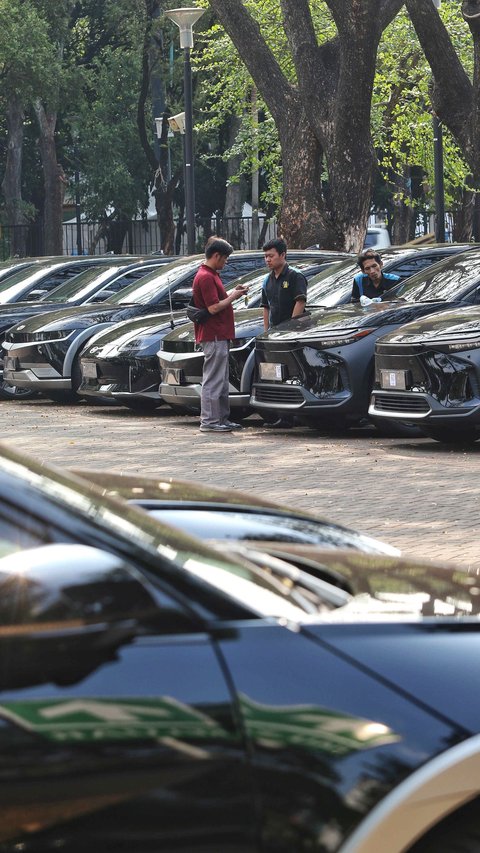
(79, 285)
(445, 280)
(144, 291)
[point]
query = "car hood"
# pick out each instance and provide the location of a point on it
(82, 317)
(456, 321)
(340, 319)
(248, 324)
(142, 333)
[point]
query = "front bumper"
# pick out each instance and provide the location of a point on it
(120, 379)
(440, 387)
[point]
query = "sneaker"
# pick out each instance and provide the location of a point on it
(233, 425)
(280, 423)
(215, 428)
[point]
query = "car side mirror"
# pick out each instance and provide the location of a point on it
(65, 610)
(181, 297)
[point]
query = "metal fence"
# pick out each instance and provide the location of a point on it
(138, 237)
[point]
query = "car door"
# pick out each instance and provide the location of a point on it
(111, 737)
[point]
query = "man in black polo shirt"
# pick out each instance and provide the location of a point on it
(284, 294)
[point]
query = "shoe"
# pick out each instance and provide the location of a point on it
(233, 425)
(280, 423)
(215, 428)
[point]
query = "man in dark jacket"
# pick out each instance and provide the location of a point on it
(284, 295)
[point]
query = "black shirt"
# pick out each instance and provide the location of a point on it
(280, 294)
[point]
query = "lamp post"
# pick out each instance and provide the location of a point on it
(185, 19)
(438, 171)
(78, 215)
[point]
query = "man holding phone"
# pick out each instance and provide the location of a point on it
(215, 335)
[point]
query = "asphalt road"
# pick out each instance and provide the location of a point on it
(414, 493)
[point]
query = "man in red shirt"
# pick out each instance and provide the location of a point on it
(214, 335)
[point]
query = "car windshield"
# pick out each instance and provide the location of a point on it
(142, 292)
(25, 279)
(80, 286)
(334, 285)
(445, 280)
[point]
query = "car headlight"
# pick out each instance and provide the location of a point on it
(60, 335)
(333, 338)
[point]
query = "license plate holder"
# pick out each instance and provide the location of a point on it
(272, 371)
(89, 369)
(395, 379)
(173, 375)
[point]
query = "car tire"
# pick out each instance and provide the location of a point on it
(13, 392)
(140, 405)
(458, 833)
(447, 435)
(69, 396)
(396, 429)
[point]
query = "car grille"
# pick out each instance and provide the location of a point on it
(401, 403)
(283, 394)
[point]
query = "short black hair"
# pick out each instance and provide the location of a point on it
(278, 244)
(368, 255)
(216, 245)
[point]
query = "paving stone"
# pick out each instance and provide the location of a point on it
(414, 493)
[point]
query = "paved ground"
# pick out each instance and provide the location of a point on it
(415, 494)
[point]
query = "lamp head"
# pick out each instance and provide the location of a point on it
(185, 19)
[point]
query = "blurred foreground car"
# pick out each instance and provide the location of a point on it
(156, 694)
(121, 363)
(429, 372)
(321, 367)
(228, 514)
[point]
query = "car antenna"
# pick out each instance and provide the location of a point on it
(172, 321)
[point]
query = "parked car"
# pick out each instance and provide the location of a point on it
(95, 283)
(121, 363)
(181, 362)
(428, 372)
(321, 367)
(156, 694)
(55, 370)
(216, 515)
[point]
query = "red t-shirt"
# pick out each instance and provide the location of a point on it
(208, 290)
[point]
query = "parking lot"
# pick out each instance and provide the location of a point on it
(414, 493)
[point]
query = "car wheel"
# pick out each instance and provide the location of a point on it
(13, 392)
(140, 405)
(396, 429)
(458, 833)
(447, 435)
(69, 396)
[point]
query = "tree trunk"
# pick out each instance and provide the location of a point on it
(402, 212)
(235, 194)
(164, 187)
(54, 181)
(12, 179)
(463, 218)
(324, 119)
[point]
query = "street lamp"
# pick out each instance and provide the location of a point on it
(438, 171)
(185, 19)
(78, 215)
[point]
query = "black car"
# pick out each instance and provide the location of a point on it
(95, 283)
(54, 369)
(181, 362)
(121, 363)
(321, 367)
(428, 372)
(215, 515)
(156, 694)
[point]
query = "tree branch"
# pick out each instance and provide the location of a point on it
(262, 65)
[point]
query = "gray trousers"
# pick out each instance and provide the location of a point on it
(214, 400)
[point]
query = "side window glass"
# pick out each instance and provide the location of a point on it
(413, 265)
(237, 267)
